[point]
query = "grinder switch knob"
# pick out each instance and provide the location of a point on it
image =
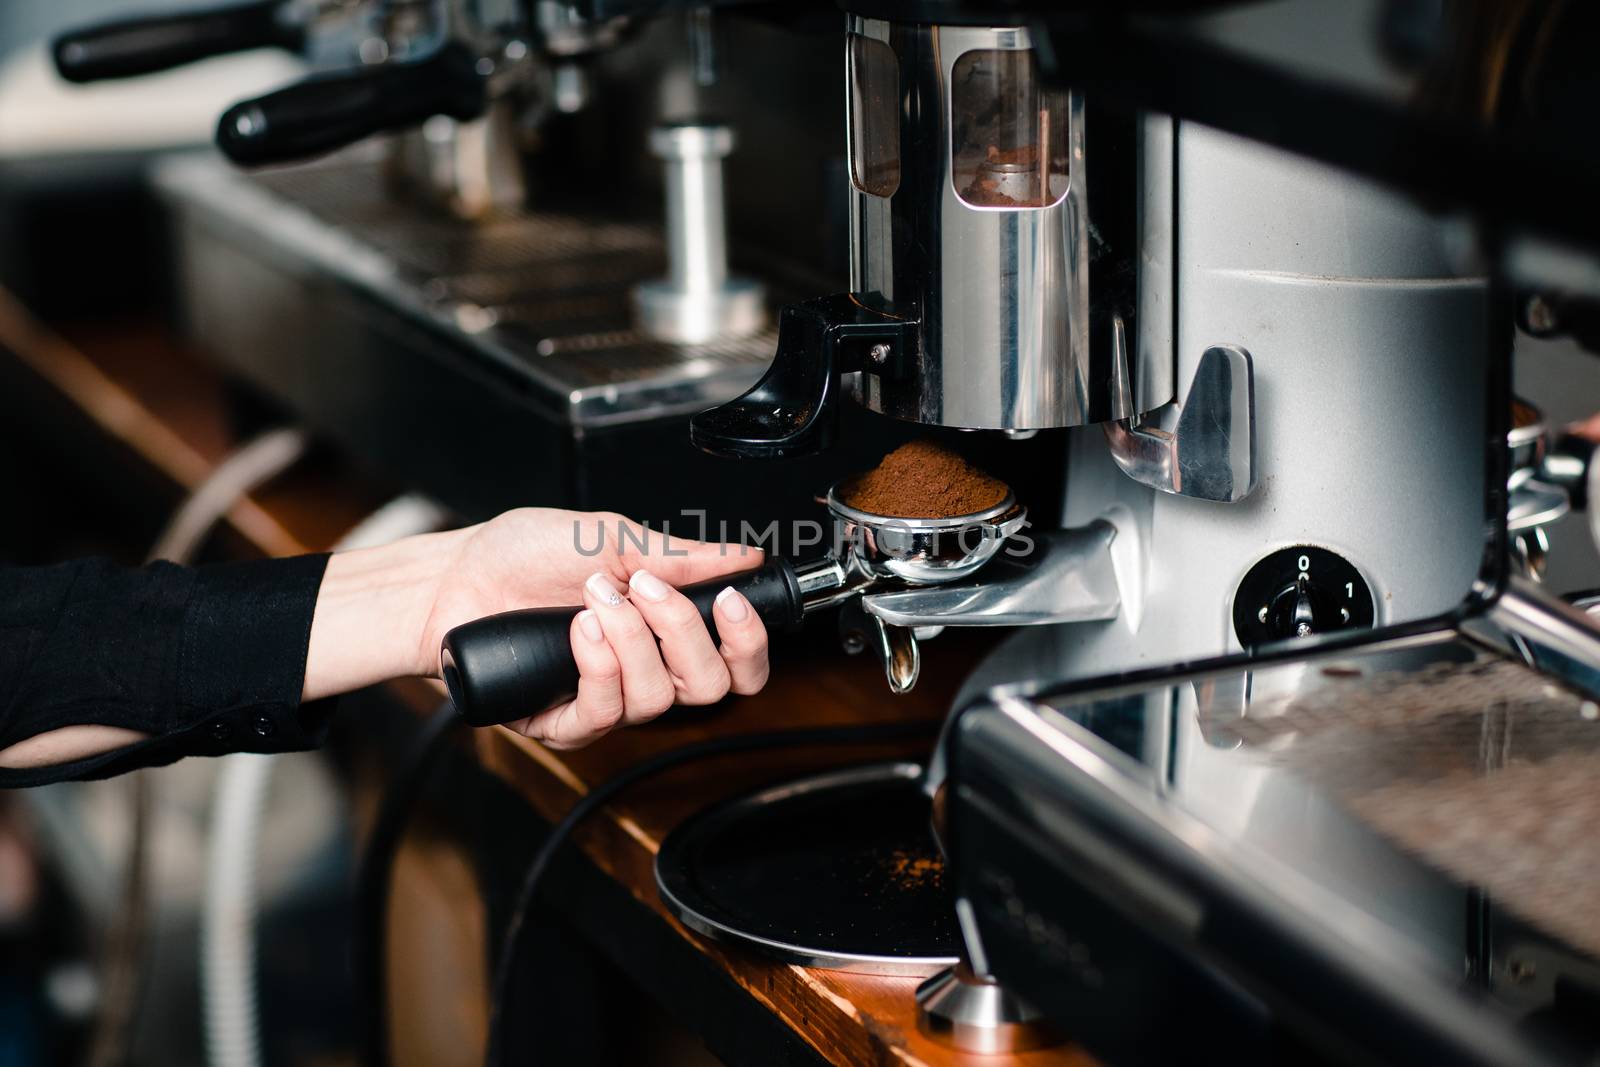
(1300, 591)
(1302, 610)
(517, 663)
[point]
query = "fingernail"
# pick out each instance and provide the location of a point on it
(733, 604)
(589, 623)
(603, 589)
(649, 586)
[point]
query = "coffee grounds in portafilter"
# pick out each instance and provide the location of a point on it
(922, 480)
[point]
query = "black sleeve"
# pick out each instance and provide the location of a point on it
(205, 660)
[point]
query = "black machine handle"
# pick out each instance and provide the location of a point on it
(129, 47)
(331, 111)
(515, 664)
(793, 409)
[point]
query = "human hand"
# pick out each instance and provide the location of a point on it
(621, 574)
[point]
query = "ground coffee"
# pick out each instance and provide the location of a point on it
(922, 480)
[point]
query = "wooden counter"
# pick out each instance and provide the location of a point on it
(167, 408)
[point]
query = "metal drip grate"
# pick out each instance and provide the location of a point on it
(546, 292)
(1484, 769)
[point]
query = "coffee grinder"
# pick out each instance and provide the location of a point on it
(1266, 369)
(1271, 367)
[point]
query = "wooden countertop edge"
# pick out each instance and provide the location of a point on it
(122, 416)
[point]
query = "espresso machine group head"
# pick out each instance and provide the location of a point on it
(459, 81)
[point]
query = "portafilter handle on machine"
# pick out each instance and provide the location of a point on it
(129, 47)
(329, 111)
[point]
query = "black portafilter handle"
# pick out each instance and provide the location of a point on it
(330, 111)
(129, 47)
(794, 409)
(518, 663)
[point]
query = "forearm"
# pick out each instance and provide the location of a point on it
(372, 615)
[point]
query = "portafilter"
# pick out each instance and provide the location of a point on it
(510, 665)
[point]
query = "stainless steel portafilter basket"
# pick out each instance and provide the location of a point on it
(920, 551)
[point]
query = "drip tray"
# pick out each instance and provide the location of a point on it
(838, 871)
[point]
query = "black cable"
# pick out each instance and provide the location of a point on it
(374, 871)
(603, 793)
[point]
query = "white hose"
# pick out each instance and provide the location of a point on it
(246, 469)
(228, 918)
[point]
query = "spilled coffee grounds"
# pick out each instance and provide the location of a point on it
(922, 480)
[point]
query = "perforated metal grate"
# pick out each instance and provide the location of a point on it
(549, 289)
(1485, 769)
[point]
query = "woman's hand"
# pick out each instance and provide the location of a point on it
(639, 644)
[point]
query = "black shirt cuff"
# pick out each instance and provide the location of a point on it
(207, 661)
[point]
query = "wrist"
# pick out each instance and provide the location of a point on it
(372, 615)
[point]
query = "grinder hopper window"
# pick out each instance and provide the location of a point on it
(1008, 137)
(874, 116)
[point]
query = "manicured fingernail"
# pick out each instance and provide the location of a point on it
(733, 604)
(649, 586)
(603, 589)
(589, 623)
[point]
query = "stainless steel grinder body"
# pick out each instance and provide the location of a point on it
(971, 207)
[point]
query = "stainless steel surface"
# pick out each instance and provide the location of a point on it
(875, 552)
(802, 955)
(976, 1015)
(470, 168)
(541, 295)
(1074, 581)
(1594, 510)
(698, 301)
(1539, 488)
(1526, 440)
(1367, 346)
(823, 582)
(564, 32)
(921, 551)
(899, 650)
(1543, 631)
(1375, 770)
(1562, 469)
(1211, 453)
(1004, 292)
(1536, 503)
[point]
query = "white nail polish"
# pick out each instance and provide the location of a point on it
(603, 590)
(649, 586)
(589, 623)
(734, 606)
